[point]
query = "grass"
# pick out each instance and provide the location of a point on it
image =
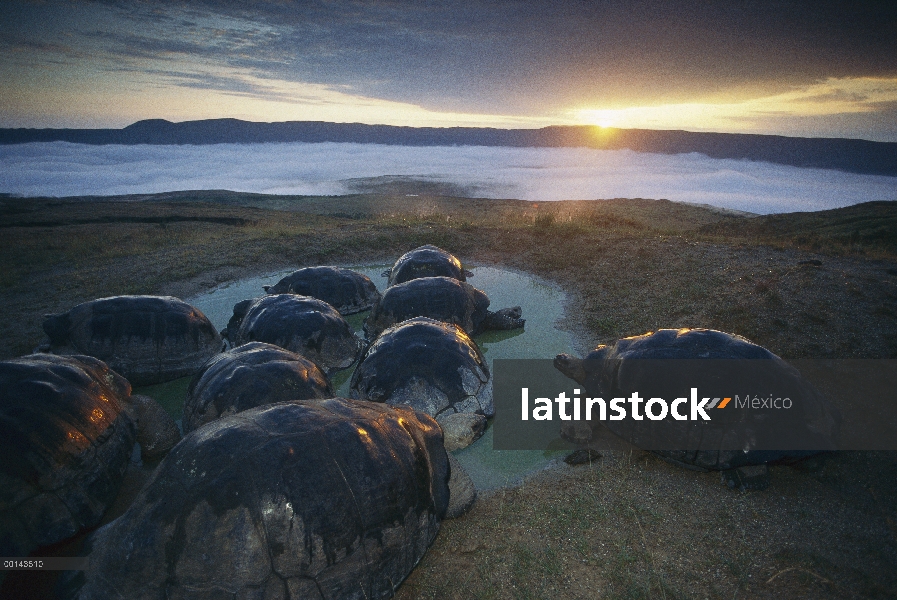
(867, 229)
(629, 526)
(58, 252)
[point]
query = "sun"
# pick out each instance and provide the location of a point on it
(601, 118)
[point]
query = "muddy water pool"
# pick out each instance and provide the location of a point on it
(542, 305)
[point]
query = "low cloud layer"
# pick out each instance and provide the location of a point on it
(541, 174)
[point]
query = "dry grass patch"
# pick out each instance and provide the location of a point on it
(632, 526)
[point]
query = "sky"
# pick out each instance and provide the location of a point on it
(816, 69)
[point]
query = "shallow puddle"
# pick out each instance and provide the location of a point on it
(542, 306)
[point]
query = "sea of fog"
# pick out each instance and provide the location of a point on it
(64, 169)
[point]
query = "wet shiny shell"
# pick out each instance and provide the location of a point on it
(301, 324)
(440, 298)
(347, 291)
(433, 367)
(65, 441)
(251, 375)
(148, 339)
(314, 499)
(426, 261)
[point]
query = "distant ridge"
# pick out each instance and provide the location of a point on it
(855, 156)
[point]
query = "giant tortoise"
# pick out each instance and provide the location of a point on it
(65, 441)
(251, 375)
(712, 364)
(426, 261)
(148, 339)
(432, 366)
(441, 298)
(332, 499)
(345, 290)
(301, 324)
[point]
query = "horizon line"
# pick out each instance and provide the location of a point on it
(447, 127)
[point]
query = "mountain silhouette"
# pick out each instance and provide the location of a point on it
(852, 155)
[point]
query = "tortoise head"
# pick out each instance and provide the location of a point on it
(592, 372)
(240, 308)
(572, 367)
(515, 312)
(57, 328)
(506, 318)
(233, 325)
(586, 371)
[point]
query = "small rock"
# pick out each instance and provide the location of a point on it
(582, 456)
(755, 477)
(578, 432)
(157, 432)
(462, 493)
(811, 464)
(810, 263)
(460, 430)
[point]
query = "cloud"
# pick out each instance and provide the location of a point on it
(829, 97)
(832, 97)
(539, 174)
(512, 57)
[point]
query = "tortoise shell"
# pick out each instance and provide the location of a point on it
(440, 298)
(148, 339)
(301, 324)
(307, 499)
(657, 363)
(345, 290)
(432, 366)
(426, 261)
(251, 375)
(65, 441)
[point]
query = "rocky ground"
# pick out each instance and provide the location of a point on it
(629, 525)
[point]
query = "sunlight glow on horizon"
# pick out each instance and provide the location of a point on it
(100, 102)
(826, 98)
(259, 99)
(519, 65)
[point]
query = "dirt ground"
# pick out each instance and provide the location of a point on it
(629, 525)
